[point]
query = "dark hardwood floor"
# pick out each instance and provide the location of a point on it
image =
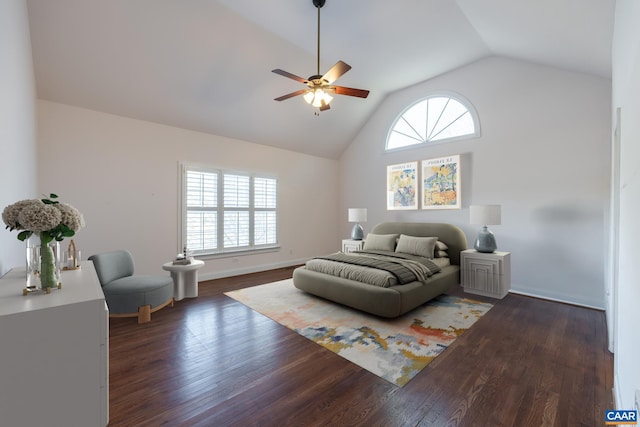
(211, 361)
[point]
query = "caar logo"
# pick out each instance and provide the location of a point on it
(622, 417)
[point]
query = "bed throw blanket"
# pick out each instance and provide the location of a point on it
(405, 268)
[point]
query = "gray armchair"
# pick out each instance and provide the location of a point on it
(128, 295)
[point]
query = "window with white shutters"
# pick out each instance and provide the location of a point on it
(226, 211)
(264, 215)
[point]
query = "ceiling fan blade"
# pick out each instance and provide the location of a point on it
(289, 75)
(336, 71)
(341, 90)
(324, 106)
(291, 95)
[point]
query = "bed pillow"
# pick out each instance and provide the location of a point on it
(441, 250)
(421, 246)
(380, 242)
(441, 254)
(441, 246)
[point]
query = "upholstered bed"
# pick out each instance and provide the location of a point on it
(341, 277)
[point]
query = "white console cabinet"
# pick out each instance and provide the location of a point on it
(54, 352)
(486, 274)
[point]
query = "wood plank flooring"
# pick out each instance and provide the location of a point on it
(211, 361)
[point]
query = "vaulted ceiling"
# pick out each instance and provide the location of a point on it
(206, 65)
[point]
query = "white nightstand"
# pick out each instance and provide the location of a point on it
(349, 245)
(486, 274)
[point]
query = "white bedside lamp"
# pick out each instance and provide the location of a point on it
(485, 215)
(357, 215)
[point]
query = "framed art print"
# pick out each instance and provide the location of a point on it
(441, 183)
(402, 186)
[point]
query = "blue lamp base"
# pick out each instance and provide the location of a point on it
(486, 241)
(357, 233)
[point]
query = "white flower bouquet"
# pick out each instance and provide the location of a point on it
(50, 220)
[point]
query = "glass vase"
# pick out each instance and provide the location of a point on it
(43, 264)
(33, 265)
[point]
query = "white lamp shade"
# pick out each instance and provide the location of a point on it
(484, 214)
(357, 214)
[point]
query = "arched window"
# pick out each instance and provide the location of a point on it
(437, 118)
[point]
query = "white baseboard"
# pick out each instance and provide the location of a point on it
(617, 396)
(249, 270)
(556, 298)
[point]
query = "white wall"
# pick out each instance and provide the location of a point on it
(543, 155)
(626, 87)
(122, 174)
(17, 122)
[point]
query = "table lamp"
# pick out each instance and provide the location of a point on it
(357, 215)
(485, 215)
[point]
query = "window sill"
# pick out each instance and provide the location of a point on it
(235, 253)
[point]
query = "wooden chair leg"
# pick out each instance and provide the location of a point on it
(144, 314)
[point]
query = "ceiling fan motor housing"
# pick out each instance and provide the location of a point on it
(317, 79)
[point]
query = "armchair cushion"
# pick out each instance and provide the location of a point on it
(112, 265)
(125, 295)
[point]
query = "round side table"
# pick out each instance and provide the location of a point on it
(185, 278)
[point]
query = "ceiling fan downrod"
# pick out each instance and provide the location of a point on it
(318, 4)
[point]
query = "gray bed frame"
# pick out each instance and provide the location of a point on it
(395, 300)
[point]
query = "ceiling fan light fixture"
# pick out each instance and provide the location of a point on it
(315, 97)
(327, 98)
(309, 96)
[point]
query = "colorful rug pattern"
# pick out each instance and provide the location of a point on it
(394, 349)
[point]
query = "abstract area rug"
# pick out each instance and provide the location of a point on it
(393, 349)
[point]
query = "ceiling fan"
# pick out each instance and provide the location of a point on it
(319, 87)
